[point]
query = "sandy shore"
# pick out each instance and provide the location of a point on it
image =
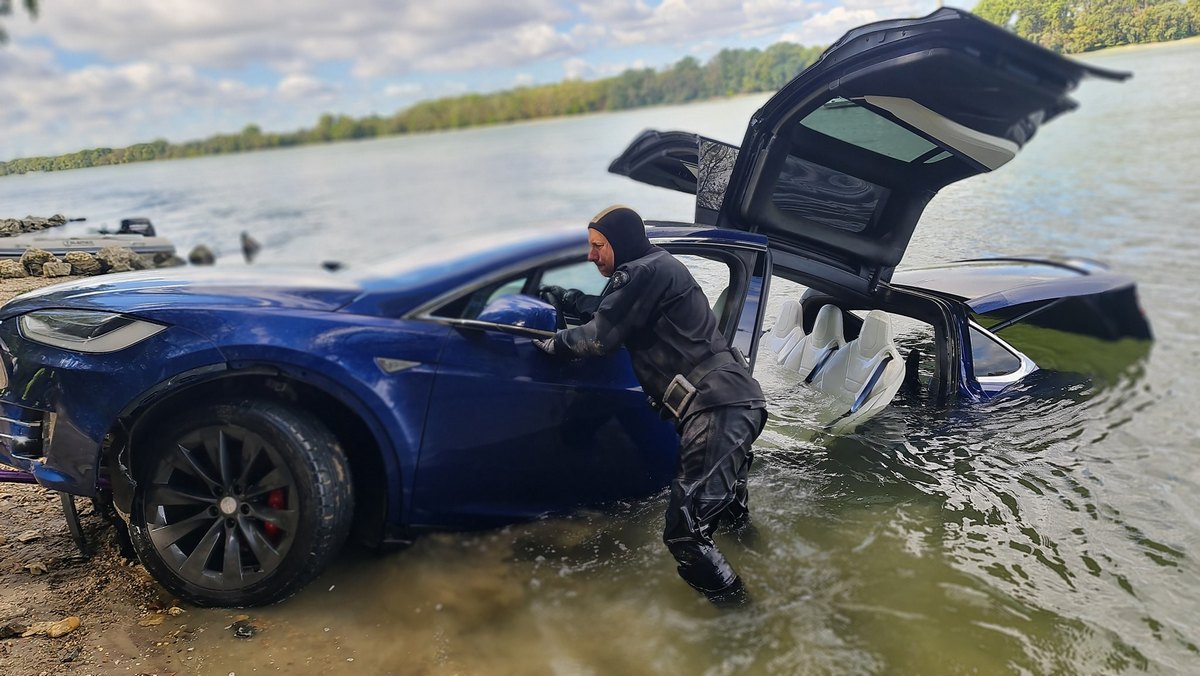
(14, 287)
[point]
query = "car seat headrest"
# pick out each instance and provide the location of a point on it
(827, 328)
(789, 318)
(876, 334)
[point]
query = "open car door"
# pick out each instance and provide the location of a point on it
(837, 167)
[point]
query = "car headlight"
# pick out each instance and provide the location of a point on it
(85, 330)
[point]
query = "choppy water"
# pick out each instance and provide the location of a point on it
(1041, 533)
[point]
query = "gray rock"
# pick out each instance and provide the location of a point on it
(82, 263)
(11, 269)
(33, 259)
(202, 255)
(17, 226)
(118, 258)
(168, 261)
(250, 247)
(56, 269)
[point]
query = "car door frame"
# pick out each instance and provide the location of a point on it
(747, 260)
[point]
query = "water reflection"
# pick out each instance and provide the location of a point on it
(1006, 496)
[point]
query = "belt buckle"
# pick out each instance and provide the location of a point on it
(678, 396)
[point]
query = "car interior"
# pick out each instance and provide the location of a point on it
(858, 361)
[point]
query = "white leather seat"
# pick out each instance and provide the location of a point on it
(864, 375)
(809, 354)
(789, 319)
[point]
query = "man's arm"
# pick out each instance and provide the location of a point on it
(626, 306)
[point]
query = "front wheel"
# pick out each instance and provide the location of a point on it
(240, 504)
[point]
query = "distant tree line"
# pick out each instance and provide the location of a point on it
(732, 71)
(1084, 25)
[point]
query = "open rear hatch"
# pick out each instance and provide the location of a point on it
(837, 167)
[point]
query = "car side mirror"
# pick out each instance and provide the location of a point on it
(520, 311)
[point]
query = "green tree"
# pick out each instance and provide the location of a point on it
(1085, 25)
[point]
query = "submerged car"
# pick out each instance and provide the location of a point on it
(244, 424)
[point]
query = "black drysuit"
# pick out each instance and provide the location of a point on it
(654, 307)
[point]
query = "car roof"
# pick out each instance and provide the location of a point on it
(987, 285)
(438, 267)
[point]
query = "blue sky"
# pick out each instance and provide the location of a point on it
(92, 73)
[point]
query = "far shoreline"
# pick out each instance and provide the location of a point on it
(1118, 49)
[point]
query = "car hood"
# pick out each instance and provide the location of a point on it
(139, 292)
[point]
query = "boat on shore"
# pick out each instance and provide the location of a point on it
(135, 233)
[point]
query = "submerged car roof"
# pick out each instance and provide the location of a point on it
(987, 285)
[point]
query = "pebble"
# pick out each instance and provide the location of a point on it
(243, 629)
(53, 629)
(29, 536)
(36, 568)
(63, 627)
(152, 621)
(175, 611)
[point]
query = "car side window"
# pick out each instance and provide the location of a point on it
(714, 277)
(582, 276)
(990, 358)
(468, 306)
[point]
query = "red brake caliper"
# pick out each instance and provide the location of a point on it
(275, 500)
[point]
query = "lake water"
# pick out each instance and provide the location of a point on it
(1037, 534)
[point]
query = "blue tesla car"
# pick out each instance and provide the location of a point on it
(244, 424)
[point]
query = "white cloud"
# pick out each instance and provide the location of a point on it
(305, 87)
(577, 69)
(402, 90)
(48, 110)
(377, 37)
(523, 80)
(825, 27)
(580, 69)
(828, 26)
(683, 22)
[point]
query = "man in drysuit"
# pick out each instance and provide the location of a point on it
(654, 307)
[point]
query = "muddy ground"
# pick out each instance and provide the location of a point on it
(126, 623)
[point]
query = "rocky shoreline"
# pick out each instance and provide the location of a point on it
(35, 262)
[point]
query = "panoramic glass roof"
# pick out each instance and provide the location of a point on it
(847, 121)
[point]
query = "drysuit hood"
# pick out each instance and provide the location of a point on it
(625, 232)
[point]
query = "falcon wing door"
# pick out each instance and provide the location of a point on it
(838, 166)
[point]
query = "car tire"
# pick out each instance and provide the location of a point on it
(240, 504)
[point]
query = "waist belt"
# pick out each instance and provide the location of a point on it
(682, 389)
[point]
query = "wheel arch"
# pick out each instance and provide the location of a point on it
(370, 450)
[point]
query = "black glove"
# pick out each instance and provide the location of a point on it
(545, 345)
(570, 298)
(553, 295)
